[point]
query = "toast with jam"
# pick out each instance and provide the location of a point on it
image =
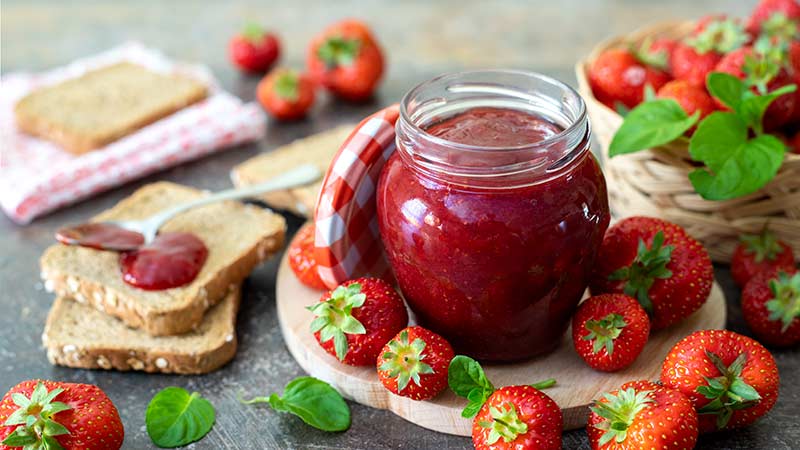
(317, 149)
(238, 238)
(77, 335)
(103, 105)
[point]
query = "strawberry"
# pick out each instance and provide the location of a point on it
(518, 417)
(414, 363)
(771, 307)
(617, 77)
(759, 253)
(656, 52)
(355, 320)
(301, 257)
(286, 94)
(40, 414)
(254, 50)
(691, 98)
(732, 380)
(767, 8)
(609, 331)
(346, 59)
(642, 414)
(696, 56)
(794, 142)
(657, 263)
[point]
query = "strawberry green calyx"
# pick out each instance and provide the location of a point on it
(763, 246)
(785, 304)
(37, 428)
(780, 27)
(649, 264)
(727, 392)
(619, 412)
(287, 86)
(603, 332)
(339, 51)
(404, 360)
(659, 60)
(505, 424)
(253, 32)
(721, 36)
(335, 317)
(764, 65)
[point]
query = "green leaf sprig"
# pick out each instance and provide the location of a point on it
(175, 417)
(312, 400)
(466, 378)
(739, 157)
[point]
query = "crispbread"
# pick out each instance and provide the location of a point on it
(76, 335)
(84, 113)
(238, 238)
(317, 149)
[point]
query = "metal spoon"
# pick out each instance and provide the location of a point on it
(148, 228)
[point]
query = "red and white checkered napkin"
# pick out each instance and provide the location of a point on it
(36, 176)
(347, 240)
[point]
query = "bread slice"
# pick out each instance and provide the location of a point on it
(76, 335)
(88, 112)
(238, 237)
(317, 149)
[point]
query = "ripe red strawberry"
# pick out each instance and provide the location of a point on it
(254, 50)
(695, 57)
(642, 414)
(355, 320)
(794, 142)
(40, 414)
(518, 417)
(616, 76)
(657, 263)
(414, 363)
(691, 98)
(301, 257)
(656, 53)
(286, 94)
(767, 8)
(771, 307)
(609, 331)
(731, 379)
(759, 253)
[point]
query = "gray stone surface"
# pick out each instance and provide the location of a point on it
(423, 38)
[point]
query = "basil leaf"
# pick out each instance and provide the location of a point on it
(312, 400)
(650, 124)
(466, 378)
(753, 106)
(727, 88)
(746, 168)
(175, 418)
(715, 138)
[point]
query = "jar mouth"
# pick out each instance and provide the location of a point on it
(448, 95)
(454, 83)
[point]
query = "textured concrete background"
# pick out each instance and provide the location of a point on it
(422, 38)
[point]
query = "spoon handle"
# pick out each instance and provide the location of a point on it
(298, 176)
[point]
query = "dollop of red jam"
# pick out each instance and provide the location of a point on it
(171, 260)
(101, 236)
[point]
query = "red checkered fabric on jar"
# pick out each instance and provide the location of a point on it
(347, 240)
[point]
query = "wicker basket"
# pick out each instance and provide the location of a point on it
(655, 182)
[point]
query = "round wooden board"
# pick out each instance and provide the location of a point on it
(577, 384)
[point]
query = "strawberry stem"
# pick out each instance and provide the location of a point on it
(505, 424)
(619, 412)
(727, 392)
(603, 332)
(544, 384)
(35, 416)
(785, 303)
(287, 86)
(335, 317)
(339, 51)
(721, 36)
(403, 361)
(763, 246)
(649, 264)
(253, 32)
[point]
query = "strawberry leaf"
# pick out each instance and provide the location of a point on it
(763, 246)
(35, 419)
(650, 264)
(312, 400)
(175, 418)
(785, 303)
(652, 123)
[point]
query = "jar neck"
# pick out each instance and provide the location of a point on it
(503, 166)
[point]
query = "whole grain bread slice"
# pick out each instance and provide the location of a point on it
(317, 149)
(238, 237)
(77, 335)
(103, 105)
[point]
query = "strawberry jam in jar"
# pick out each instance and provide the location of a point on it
(492, 210)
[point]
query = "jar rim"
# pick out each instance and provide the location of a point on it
(577, 122)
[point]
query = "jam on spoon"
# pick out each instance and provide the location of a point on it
(101, 236)
(171, 260)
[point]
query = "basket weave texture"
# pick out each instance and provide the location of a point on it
(655, 182)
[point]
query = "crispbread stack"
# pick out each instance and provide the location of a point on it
(88, 112)
(317, 149)
(97, 318)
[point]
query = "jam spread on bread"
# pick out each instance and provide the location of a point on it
(171, 260)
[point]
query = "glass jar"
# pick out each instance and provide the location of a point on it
(492, 210)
